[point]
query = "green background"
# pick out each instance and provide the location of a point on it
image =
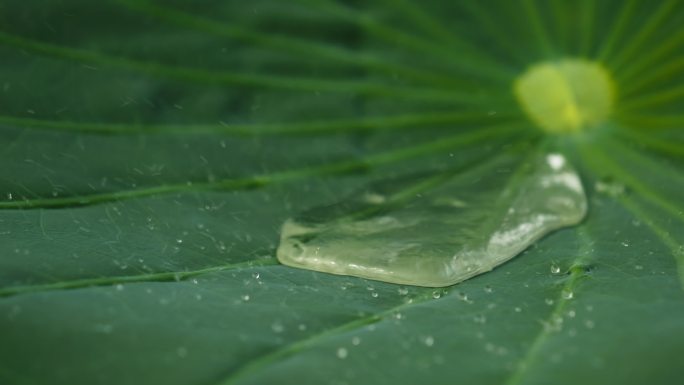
(151, 151)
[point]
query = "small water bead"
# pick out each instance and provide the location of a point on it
(517, 309)
(567, 294)
(555, 269)
(571, 313)
(356, 341)
(375, 294)
(402, 291)
(625, 244)
(182, 352)
(488, 289)
(480, 319)
(302, 327)
(342, 353)
(256, 275)
(548, 301)
(119, 287)
(245, 297)
(610, 188)
(277, 327)
(429, 341)
(437, 294)
(589, 324)
(638, 267)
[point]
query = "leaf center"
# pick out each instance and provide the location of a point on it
(566, 96)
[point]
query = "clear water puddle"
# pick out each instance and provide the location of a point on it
(438, 230)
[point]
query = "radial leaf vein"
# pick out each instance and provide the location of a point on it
(575, 275)
(246, 79)
(425, 148)
(166, 276)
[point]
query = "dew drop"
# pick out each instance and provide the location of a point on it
(567, 294)
(555, 269)
(548, 301)
(342, 353)
(436, 294)
(610, 188)
(245, 297)
(375, 294)
(429, 341)
(277, 327)
(589, 324)
(182, 352)
(402, 291)
(480, 319)
(488, 289)
(356, 341)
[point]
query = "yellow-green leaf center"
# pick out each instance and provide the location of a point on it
(566, 96)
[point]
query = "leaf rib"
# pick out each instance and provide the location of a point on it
(289, 45)
(167, 276)
(367, 124)
(576, 273)
(243, 79)
(644, 33)
(283, 353)
(278, 177)
(598, 161)
(488, 69)
(674, 246)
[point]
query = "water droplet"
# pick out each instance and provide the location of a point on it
(429, 341)
(555, 269)
(589, 324)
(488, 289)
(402, 291)
(342, 353)
(548, 301)
(480, 319)
(638, 267)
(119, 287)
(245, 297)
(518, 309)
(179, 241)
(356, 341)
(571, 313)
(277, 327)
(375, 294)
(256, 275)
(436, 294)
(610, 188)
(376, 246)
(567, 294)
(182, 352)
(625, 243)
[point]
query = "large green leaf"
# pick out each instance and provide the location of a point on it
(152, 151)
